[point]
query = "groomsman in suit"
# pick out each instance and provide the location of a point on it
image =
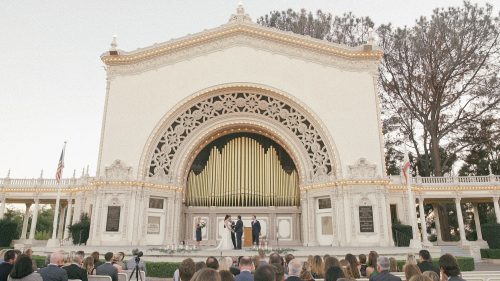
(238, 228)
(255, 231)
(233, 235)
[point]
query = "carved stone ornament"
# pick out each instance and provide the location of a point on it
(236, 103)
(118, 170)
(362, 169)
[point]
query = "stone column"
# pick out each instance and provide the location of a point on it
(460, 218)
(304, 215)
(477, 222)
(2, 207)
(25, 222)
(61, 222)
(69, 213)
(435, 209)
(497, 209)
(423, 222)
(312, 221)
(335, 226)
(34, 220)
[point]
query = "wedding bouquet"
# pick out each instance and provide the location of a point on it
(203, 224)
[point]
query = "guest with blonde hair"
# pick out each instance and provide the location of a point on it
(317, 269)
(411, 270)
(346, 268)
(431, 274)
(225, 263)
(394, 265)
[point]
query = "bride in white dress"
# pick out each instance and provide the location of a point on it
(226, 243)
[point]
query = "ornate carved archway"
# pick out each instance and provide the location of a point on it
(256, 103)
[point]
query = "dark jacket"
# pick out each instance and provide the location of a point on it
(53, 273)
(256, 227)
(385, 276)
(427, 266)
(244, 276)
(76, 272)
(293, 278)
(107, 269)
(5, 269)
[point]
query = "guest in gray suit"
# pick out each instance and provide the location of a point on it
(53, 271)
(246, 267)
(449, 268)
(107, 268)
(383, 266)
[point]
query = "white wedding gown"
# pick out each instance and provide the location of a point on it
(226, 242)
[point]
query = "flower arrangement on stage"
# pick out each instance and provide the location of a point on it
(269, 250)
(174, 249)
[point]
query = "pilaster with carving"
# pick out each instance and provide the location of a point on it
(305, 218)
(312, 220)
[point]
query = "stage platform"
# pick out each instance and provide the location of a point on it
(159, 253)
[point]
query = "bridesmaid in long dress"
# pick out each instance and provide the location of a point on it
(198, 231)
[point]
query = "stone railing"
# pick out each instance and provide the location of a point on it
(446, 180)
(44, 183)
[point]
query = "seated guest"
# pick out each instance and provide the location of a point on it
(411, 270)
(107, 268)
(425, 262)
(120, 256)
(448, 266)
(294, 269)
(371, 265)
(394, 265)
(279, 272)
(288, 258)
(9, 257)
(305, 273)
(334, 273)
(235, 267)
(246, 267)
(96, 256)
(81, 254)
(74, 270)
(353, 262)
(317, 267)
(256, 261)
(262, 257)
(53, 271)
(212, 263)
(206, 274)
(329, 262)
(433, 276)
(114, 262)
(29, 253)
(226, 275)
(410, 259)
(225, 263)
(88, 265)
(23, 270)
(362, 265)
(383, 274)
(186, 269)
(275, 258)
(264, 273)
(131, 263)
(346, 268)
(200, 265)
(420, 277)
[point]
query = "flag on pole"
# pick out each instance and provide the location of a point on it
(406, 168)
(60, 165)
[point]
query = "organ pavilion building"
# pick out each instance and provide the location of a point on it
(246, 120)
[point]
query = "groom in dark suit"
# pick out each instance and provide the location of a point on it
(255, 231)
(238, 228)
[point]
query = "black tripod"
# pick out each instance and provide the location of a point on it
(137, 271)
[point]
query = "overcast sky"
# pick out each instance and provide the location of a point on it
(52, 83)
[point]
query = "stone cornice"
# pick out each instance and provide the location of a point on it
(242, 29)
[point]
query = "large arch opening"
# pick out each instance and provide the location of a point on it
(243, 169)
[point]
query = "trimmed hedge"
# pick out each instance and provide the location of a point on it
(490, 234)
(161, 269)
(40, 261)
(8, 231)
(490, 253)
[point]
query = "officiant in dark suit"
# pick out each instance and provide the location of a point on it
(238, 228)
(255, 230)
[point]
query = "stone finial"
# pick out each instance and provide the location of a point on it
(41, 174)
(489, 169)
(8, 174)
(371, 37)
(417, 171)
(83, 172)
(87, 171)
(113, 50)
(74, 173)
(240, 14)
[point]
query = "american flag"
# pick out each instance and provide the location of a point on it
(60, 166)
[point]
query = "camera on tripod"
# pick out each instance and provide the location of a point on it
(138, 254)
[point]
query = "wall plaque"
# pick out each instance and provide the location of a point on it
(153, 225)
(113, 219)
(366, 219)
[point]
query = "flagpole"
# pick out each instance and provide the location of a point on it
(54, 242)
(415, 242)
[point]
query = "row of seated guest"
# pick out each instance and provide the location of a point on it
(61, 267)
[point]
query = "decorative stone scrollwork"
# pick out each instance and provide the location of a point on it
(118, 170)
(236, 103)
(362, 169)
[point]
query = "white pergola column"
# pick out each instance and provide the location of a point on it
(69, 213)
(34, 219)
(423, 221)
(305, 231)
(497, 208)
(477, 222)
(25, 221)
(2, 207)
(460, 218)
(61, 222)
(435, 208)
